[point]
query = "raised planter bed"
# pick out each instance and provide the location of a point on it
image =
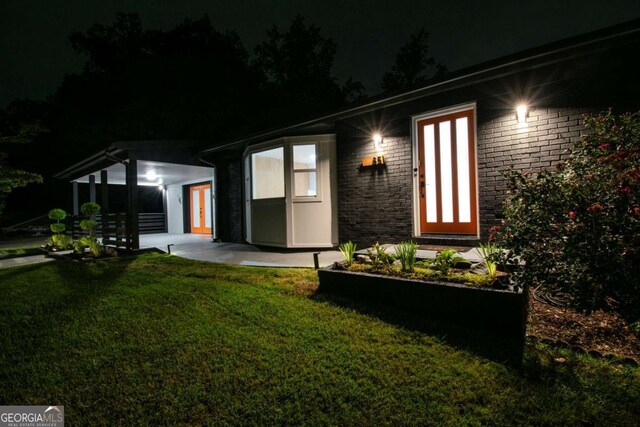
(499, 312)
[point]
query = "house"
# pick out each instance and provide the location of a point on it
(425, 164)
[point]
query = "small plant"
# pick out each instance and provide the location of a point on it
(59, 240)
(488, 252)
(406, 253)
(379, 256)
(89, 225)
(348, 250)
(445, 260)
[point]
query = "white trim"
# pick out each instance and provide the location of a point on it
(416, 162)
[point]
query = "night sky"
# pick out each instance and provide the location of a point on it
(35, 52)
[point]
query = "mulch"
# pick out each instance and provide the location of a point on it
(606, 332)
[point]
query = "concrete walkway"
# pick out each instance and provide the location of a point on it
(200, 247)
(25, 260)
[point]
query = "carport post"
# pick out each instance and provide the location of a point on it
(92, 188)
(76, 204)
(132, 202)
(104, 190)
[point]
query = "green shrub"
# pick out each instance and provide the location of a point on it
(445, 260)
(79, 245)
(578, 228)
(348, 250)
(57, 214)
(58, 227)
(89, 225)
(61, 241)
(95, 248)
(406, 253)
(90, 209)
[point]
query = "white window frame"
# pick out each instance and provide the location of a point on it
(284, 171)
(317, 170)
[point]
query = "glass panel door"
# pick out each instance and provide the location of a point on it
(447, 180)
(201, 212)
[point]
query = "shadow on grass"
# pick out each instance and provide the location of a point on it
(489, 346)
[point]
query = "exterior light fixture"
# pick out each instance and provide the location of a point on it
(151, 175)
(377, 140)
(521, 113)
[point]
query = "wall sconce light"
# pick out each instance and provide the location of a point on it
(521, 113)
(377, 141)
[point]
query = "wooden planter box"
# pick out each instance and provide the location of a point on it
(499, 312)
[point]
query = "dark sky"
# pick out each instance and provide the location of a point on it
(35, 52)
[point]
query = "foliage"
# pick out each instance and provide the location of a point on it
(379, 256)
(95, 247)
(11, 178)
(297, 64)
(57, 214)
(406, 254)
(445, 260)
(348, 250)
(489, 252)
(79, 245)
(413, 65)
(578, 228)
(90, 209)
(61, 241)
(57, 227)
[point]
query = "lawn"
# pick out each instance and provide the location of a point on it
(162, 340)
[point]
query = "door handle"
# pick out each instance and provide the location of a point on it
(422, 187)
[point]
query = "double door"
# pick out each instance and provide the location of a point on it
(201, 218)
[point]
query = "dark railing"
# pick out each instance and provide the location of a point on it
(114, 230)
(149, 223)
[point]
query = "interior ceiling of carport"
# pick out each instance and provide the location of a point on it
(153, 173)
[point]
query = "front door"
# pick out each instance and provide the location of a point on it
(447, 180)
(200, 196)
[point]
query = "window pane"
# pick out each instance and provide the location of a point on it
(195, 197)
(305, 184)
(304, 156)
(430, 166)
(464, 182)
(446, 175)
(207, 207)
(267, 174)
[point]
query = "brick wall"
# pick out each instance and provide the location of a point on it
(375, 204)
(229, 201)
(503, 144)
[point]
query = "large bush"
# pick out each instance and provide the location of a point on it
(577, 228)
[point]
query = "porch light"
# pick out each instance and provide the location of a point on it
(151, 175)
(377, 140)
(521, 113)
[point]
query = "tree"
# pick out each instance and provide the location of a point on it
(413, 64)
(11, 178)
(297, 67)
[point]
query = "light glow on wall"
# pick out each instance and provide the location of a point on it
(377, 141)
(521, 113)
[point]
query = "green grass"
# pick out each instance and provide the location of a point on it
(161, 340)
(19, 252)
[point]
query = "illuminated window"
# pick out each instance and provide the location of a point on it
(267, 174)
(305, 171)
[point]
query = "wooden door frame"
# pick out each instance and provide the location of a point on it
(417, 232)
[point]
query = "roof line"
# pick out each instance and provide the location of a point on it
(464, 73)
